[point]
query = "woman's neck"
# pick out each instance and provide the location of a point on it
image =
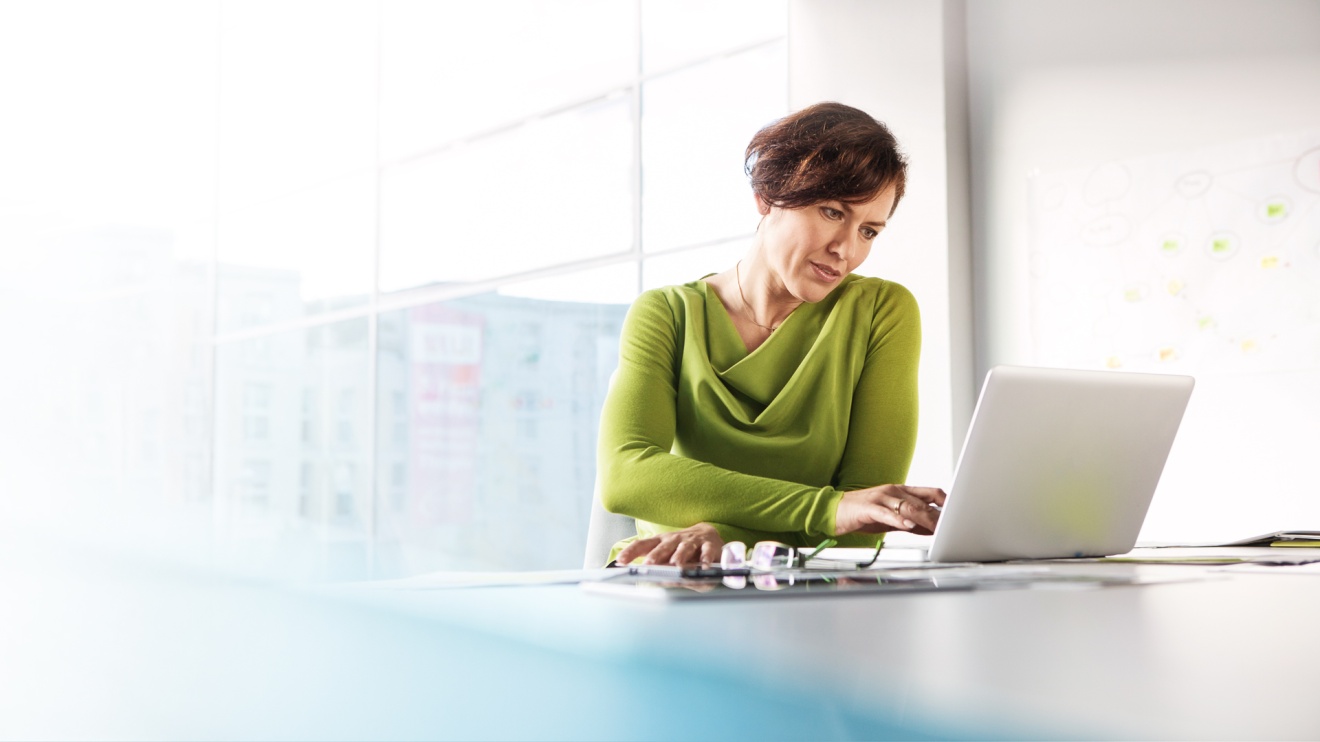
(764, 299)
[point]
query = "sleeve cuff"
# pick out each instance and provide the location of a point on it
(820, 519)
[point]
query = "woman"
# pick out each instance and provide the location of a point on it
(778, 399)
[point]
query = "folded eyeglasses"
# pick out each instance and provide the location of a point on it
(770, 556)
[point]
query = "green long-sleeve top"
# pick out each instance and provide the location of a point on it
(761, 445)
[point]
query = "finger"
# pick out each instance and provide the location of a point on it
(903, 513)
(685, 553)
(933, 516)
(635, 549)
(916, 511)
(663, 550)
(928, 494)
(879, 519)
(710, 552)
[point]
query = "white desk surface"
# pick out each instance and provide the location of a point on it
(1220, 656)
(110, 648)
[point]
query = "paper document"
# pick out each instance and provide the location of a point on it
(1274, 538)
(1308, 568)
(1216, 555)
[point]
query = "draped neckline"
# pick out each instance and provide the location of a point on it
(761, 374)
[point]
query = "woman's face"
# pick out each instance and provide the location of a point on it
(809, 250)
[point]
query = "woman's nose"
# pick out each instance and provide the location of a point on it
(842, 246)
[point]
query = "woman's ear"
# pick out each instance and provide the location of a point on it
(762, 206)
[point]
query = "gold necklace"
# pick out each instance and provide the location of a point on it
(737, 276)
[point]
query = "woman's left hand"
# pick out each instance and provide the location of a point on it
(889, 507)
(697, 544)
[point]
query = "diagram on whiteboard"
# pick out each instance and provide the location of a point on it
(1197, 261)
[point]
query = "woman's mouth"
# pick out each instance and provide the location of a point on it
(826, 274)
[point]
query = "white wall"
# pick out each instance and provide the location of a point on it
(888, 57)
(1062, 84)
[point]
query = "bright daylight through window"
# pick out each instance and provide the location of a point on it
(340, 284)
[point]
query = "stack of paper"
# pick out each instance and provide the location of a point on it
(1304, 539)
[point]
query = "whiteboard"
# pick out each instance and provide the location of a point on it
(1203, 261)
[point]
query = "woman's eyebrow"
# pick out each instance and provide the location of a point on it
(849, 209)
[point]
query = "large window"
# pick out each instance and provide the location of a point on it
(377, 340)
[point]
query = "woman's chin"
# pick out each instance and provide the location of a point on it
(814, 291)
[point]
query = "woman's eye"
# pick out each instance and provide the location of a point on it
(869, 233)
(832, 213)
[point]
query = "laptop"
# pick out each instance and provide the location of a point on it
(1059, 463)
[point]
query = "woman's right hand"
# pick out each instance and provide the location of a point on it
(889, 507)
(699, 544)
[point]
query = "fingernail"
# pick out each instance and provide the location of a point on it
(908, 523)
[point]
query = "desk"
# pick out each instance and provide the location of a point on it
(113, 647)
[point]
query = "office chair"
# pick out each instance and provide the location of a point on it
(604, 529)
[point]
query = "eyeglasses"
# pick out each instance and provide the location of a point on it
(768, 556)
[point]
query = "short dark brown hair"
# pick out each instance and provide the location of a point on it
(825, 152)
